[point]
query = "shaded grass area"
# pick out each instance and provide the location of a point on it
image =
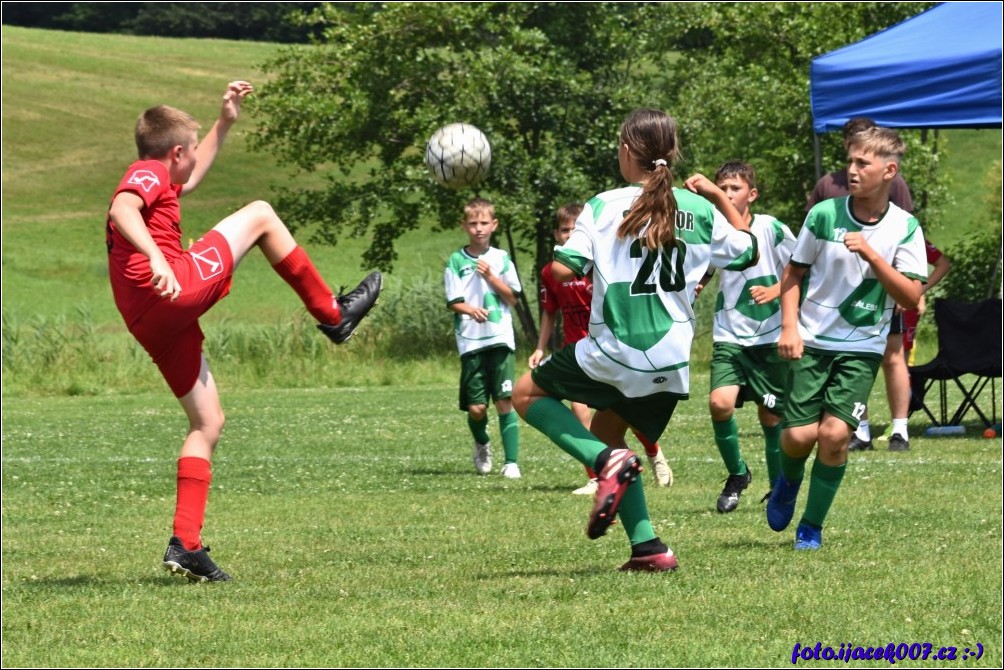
(359, 535)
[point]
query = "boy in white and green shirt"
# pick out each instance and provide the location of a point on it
(855, 258)
(481, 286)
(745, 364)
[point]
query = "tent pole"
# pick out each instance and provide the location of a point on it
(819, 156)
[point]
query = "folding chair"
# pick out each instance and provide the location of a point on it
(969, 343)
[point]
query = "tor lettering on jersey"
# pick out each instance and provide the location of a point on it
(145, 179)
(684, 220)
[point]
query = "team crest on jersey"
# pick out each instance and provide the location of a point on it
(208, 262)
(145, 179)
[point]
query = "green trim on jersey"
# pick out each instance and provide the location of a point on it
(747, 259)
(573, 261)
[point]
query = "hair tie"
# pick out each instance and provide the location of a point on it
(659, 161)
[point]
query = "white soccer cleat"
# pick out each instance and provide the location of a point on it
(483, 458)
(660, 468)
(511, 471)
(589, 489)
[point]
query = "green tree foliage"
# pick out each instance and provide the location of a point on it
(549, 83)
(740, 77)
(262, 21)
(977, 259)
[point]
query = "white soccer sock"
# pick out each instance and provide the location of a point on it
(899, 426)
(863, 432)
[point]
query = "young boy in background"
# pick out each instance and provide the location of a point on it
(858, 256)
(481, 286)
(574, 299)
(745, 364)
(895, 365)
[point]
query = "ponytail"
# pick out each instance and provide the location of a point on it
(651, 137)
(656, 206)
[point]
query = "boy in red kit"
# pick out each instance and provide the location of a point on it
(574, 299)
(162, 290)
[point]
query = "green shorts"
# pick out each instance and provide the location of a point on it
(484, 373)
(561, 377)
(837, 383)
(759, 372)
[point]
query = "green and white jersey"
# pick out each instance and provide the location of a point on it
(464, 284)
(642, 324)
(843, 306)
(738, 319)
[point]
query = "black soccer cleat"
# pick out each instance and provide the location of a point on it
(195, 565)
(857, 444)
(734, 487)
(898, 443)
(354, 305)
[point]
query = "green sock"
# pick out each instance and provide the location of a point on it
(509, 427)
(479, 429)
(727, 439)
(772, 451)
(557, 422)
(633, 512)
(793, 468)
(823, 485)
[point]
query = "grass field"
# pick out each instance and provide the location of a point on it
(358, 535)
(344, 501)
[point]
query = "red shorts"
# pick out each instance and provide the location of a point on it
(169, 331)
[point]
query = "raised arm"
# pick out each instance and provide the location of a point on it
(709, 190)
(213, 141)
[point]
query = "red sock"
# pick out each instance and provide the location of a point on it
(651, 448)
(194, 476)
(297, 270)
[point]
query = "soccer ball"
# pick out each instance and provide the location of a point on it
(458, 155)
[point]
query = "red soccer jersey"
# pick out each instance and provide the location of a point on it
(128, 269)
(573, 298)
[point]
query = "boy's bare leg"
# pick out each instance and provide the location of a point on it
(582, 413)
(205, 424)
(205, 416)
(257, 224)
(897, 384)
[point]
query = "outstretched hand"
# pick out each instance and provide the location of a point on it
(232, 99)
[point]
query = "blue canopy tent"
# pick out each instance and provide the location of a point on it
(939, 69)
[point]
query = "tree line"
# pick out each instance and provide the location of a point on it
(256, 21)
